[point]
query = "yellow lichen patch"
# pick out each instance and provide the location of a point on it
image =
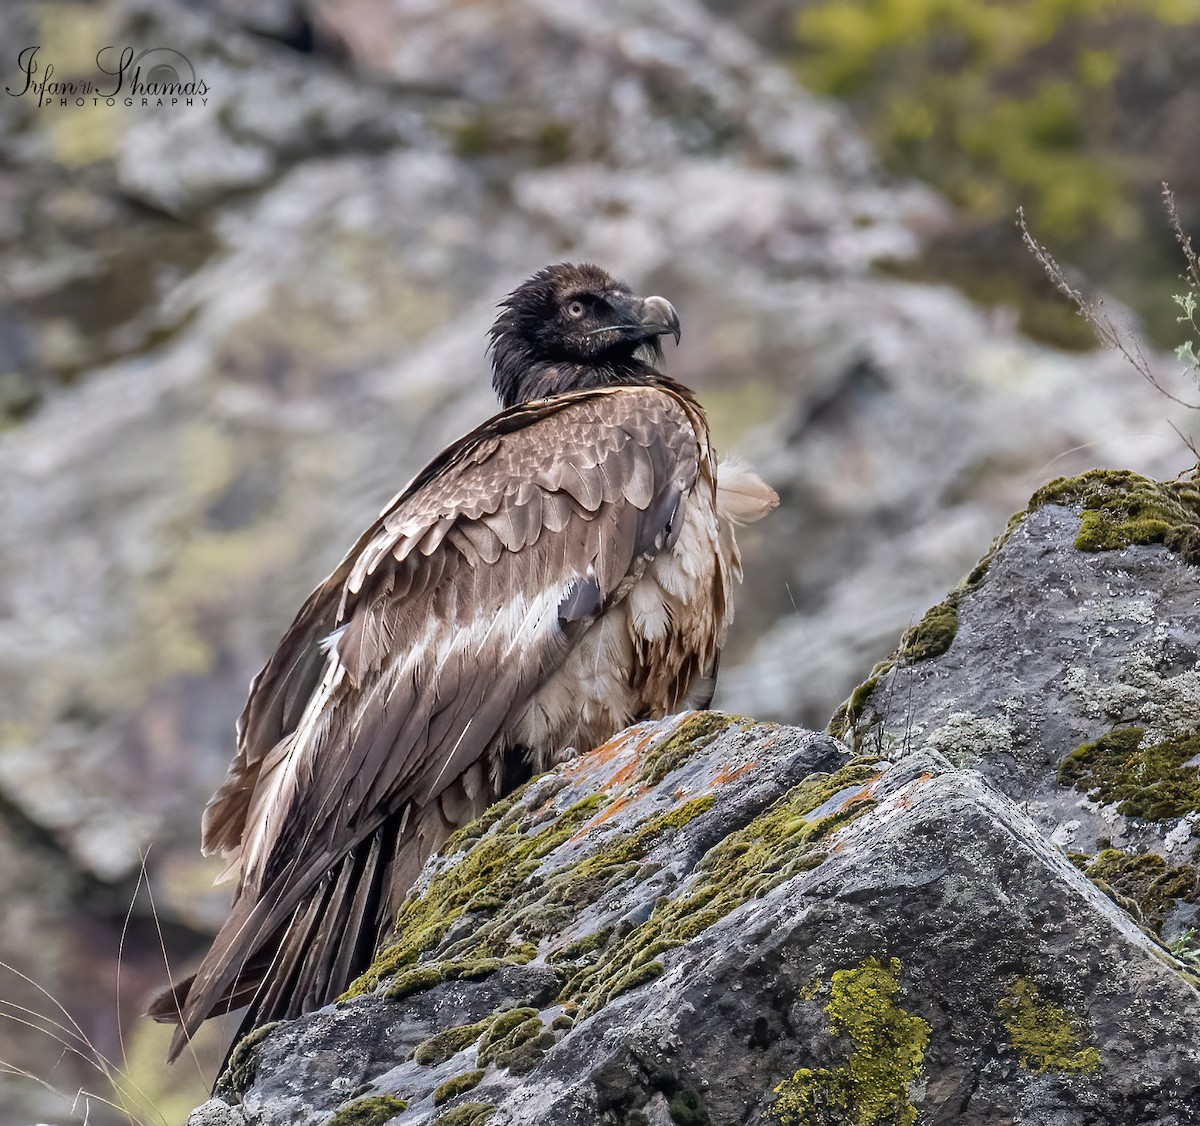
(872, 1087)
(1045, 1035)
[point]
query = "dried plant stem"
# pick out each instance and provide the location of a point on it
(1096, 314)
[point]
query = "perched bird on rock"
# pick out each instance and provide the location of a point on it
(560, 572)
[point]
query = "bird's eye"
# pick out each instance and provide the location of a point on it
(576, 310)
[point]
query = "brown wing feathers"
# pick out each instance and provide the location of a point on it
(404, 667)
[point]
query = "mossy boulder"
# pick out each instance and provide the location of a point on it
(1072, 681)
(758, 926)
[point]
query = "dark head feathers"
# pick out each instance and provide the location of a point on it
(573, 326)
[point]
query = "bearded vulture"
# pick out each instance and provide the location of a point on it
(562, 571)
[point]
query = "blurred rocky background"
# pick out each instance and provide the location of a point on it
(230, 331)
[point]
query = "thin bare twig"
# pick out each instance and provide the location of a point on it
(1097, 316)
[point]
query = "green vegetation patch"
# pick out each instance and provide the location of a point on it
(553, 901)
(369, 1112)
(463, 838)
(955, 92)
(466, 1114)
(499, 862)
(526, 905)
(581, 947)
(1151, 782)
(777, 845)
(934, 633)
(1142, 884)
(687, 1109)
(513, 1038)
(440, 1047)
(510, 135)
(1187, 949)
(452, 1088)
(871, 1087)
(494, 860)
(1046, 1036)
(1124, 509)
(844, 722)
(243, 1060)
(1025, 102)
(416, 979)
(930, 637)
(1119, 509)
(692, 735)
(516, 1040)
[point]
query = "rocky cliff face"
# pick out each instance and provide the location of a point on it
(229, 334)
(956, 913)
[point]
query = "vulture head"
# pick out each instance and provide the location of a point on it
(570, 327)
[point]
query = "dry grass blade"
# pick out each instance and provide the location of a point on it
(58, 1025)
(1185, 243)
(162, 945)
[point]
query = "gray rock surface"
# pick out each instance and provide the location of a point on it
(1054, 649)
(815, 939)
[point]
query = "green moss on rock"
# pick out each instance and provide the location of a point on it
(1143, 881)
(1123, 509)
(553, 901)
(460, 1084)
(844, 721)
(243, 1059)
(495, 813)
(369, 1112)
(516, 1040)
(1046, 1037)
(692, 735)
(686, 1108)
(466, 1114)
(872, 1087)
(777, 845)
(499, 862)
(416, 979)
(1151, 782)
(934, 633)
(581, 947)
(1119, 509)
(439, 1048)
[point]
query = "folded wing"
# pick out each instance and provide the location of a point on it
(402, 669)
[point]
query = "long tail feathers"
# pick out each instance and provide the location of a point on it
(329, 939)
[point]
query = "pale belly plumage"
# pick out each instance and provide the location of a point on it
(642, 657)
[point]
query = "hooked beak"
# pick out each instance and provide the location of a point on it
(648, 318)
(659, 318)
